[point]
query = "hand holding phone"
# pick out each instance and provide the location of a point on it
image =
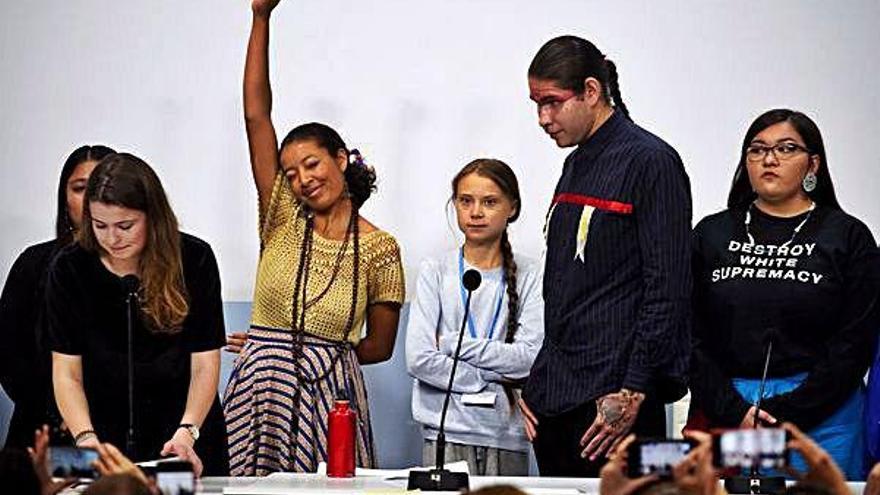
(613, 479)
(822, 469)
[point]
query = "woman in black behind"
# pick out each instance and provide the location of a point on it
(25, 360)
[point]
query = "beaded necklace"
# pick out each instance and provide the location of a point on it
(797, 229)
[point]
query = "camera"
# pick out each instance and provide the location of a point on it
(175, 477)
(656, 456)
(762, 448)
(72, 462)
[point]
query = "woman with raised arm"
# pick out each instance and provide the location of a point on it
(323, 272)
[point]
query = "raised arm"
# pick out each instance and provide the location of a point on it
(262, 142)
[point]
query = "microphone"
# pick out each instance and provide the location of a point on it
(471, 280)
(440, 479)
(131, 283)
(755, 483)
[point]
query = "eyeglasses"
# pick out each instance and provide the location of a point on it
(782, 151)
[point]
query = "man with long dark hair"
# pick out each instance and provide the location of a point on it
(617, 276)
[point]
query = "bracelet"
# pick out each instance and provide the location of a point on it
(84, 435)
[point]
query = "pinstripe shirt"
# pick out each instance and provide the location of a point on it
(617, 277)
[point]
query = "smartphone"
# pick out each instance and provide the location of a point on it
(656, 456)
(175, 478)
(72, 462)
(751, 448)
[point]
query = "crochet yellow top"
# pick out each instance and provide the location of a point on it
(281, 234)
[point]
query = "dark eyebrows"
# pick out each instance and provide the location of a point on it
(783, 140)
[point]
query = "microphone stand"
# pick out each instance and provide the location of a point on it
(131, 300)
(439, 478)
(755, 483)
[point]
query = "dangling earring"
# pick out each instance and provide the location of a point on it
(809, 182)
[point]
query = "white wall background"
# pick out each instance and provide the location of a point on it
(421, 87)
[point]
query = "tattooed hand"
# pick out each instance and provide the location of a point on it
(615, 415)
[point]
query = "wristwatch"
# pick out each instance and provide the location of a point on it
(192, 429)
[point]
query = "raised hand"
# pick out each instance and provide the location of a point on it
(264, 7)
(613, 479)
(695, 474)
(821, 468)
(40, 457)
(111, 461)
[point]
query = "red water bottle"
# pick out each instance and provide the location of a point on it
(340, 451)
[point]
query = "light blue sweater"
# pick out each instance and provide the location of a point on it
(432, 334)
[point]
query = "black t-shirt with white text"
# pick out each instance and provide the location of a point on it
(813, 294)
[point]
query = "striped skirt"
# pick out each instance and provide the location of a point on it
(278, 398)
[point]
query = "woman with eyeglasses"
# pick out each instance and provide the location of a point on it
(785, 271)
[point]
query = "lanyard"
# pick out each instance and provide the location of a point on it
(499, 295)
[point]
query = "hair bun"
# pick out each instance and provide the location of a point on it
(361, 178)
(355, 158)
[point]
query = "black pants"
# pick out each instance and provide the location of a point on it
(557, 445)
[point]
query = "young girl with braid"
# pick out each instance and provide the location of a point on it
(324, 272)
(502, 336)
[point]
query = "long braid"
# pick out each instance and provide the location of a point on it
(614, 88)
(510, 281)
(353, 231)
(509, 265)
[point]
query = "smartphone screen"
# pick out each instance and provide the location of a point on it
(656, 456)
(175, 478)
(72, 462)
(761, 448)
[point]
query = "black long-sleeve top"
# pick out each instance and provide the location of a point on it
(816, 300)
(617, 274)
(25, 359)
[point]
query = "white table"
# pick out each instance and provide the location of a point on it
(394, 482)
